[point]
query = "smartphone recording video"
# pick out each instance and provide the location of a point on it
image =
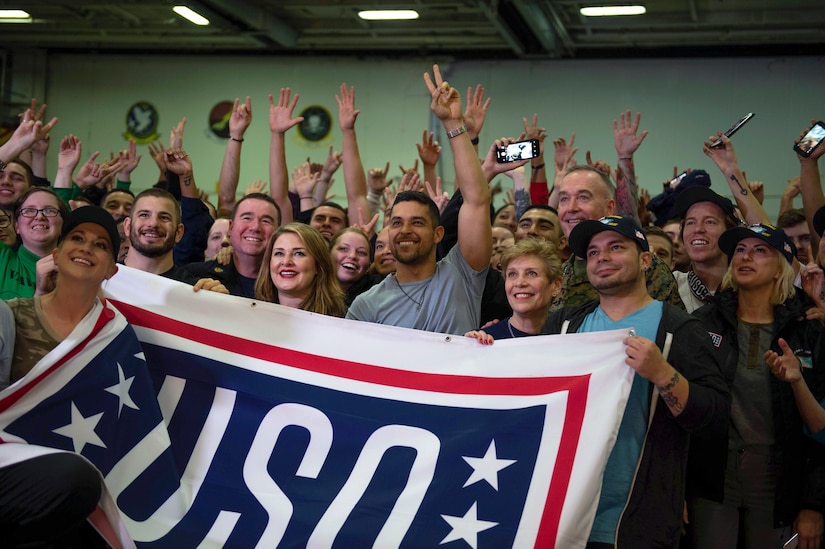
(520, 150)
(733, 129)
(811, 140)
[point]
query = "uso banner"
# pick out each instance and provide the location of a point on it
(247, 424)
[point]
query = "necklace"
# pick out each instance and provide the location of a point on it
(417, 303)
(510, 327)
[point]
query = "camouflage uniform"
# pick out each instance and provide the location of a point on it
(576, 288)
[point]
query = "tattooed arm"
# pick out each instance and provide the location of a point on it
(627, 141)
(725, 159)
(644, 356)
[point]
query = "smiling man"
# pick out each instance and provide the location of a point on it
(585, 194)
(672, 394)
(424, 294)
(254, 220)
(15, 179)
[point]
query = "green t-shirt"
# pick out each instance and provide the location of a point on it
(18, 271)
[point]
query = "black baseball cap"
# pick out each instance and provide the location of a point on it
(585, 230)
(819, 221)
(96, 215)
(770, 234)
(694, 195)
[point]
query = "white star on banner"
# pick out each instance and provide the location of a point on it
(466, 527)
(487, 467)
(121, 391)
(81, 430)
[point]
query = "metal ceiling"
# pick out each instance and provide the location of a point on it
(522, 29)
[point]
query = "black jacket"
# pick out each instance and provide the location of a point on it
(653, 514)
(801, 460)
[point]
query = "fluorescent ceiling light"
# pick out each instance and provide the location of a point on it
(15, 16)
(191, 15)
(603, 11)
(387, 15)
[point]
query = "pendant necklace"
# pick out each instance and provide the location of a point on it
(417, 303)
(510, 327)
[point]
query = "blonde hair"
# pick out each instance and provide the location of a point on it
(537, 247)
(325, 296)
(783, 288)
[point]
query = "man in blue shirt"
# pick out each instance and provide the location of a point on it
(642, 495)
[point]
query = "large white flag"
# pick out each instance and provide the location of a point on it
(272, 427)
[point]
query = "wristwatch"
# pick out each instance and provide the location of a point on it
(456, 132)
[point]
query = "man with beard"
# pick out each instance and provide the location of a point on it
(154, 227)
(672, 394)
(424, 294)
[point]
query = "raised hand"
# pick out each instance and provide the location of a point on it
(304, 180)
(129, 158)
(257, 186)
(178, 162)
(446, 101)
(158, 155)
(437, 195)
(176, 135)
(27, 133)
(241, 119)
(404, 170)
(428, 150)
(94, 173)
(333, 162)
(625, 134)
(564, 153)
(476, 111)
(786, 366)
(532, 131)
(347, 113)
(377, 179)
(367, 226)
(69, 156)
(492, 167)
(280, 115)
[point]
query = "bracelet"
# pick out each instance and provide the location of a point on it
(540, 166)
(456, 132)
(626, 158)
(238, 140)
(474, 140)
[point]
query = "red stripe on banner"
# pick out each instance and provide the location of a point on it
(356, 371)
(106, 316)
(576, 387)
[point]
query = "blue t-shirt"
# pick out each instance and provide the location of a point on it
(621, 465)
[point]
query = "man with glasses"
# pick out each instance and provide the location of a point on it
(7, 234)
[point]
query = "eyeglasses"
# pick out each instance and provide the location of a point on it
(32, 212)
(4, 221)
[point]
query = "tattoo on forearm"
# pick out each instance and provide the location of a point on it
(186, 180)
(670, 399)
(738, 184)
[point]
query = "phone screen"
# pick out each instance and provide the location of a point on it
(676, 180)
(521, 150)
(808, 143)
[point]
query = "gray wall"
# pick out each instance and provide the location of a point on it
(682, 102)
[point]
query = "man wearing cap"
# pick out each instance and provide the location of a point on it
(672, 395)
(585, 193)
(705, 216)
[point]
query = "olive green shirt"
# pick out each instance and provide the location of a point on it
(34, 339)
(576, 288)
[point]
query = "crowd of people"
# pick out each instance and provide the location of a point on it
(721, 443)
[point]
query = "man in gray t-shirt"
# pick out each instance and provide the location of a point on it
(440, 297)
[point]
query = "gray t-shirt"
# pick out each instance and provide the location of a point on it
(449, 302)
(6, 343)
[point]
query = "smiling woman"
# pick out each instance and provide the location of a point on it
(350, 254)
(297, 272)
(38, 219)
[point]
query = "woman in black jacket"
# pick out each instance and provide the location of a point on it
(761, 466)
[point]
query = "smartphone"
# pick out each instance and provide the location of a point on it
(520, 150)
(676, 180)
(733, 129)
(811, 140)
(792, 543)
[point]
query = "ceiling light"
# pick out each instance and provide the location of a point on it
(603, 11)
(15, 16)
(191, 15)
(387, 15)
